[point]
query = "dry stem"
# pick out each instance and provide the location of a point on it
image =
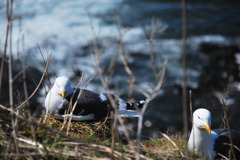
(39, 84)
(149, 98)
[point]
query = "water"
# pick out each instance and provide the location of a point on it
(64, 28)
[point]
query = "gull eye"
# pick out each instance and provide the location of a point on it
(198, 117)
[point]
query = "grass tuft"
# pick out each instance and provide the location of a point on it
(39, 139)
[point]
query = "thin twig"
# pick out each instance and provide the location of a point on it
(10, 74)
(184, 74)
(19, 73)
(24, 71)
(173, 143)
(112, 65)
(75, 103)
(228, 129)
(146, 94)
(124, 58)
(9, 21)
(113, 104)
(190, 105)
(223, 156)
(154, 30)
(232, 146)
(44, 64)
(39, 84)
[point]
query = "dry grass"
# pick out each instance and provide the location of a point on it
(162, 148)
(95, 131)
(24, 137)
(85, 140)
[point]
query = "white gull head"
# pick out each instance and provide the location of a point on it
(201, 139)
(62, 88)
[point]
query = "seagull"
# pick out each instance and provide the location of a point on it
(210, 144)
(89, 105)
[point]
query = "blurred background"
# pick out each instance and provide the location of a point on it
(67, 28)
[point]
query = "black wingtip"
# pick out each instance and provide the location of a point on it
(133, 106)
(141, 103)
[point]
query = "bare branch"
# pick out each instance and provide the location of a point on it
(224, 106)
(152, 96)
(124, 58)
(24, 71)
(184, 74)
(154, 31)
(99, 71)
(142, 91)
(9, 21)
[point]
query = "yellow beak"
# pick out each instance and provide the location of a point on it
(207, 127)
(63, 93)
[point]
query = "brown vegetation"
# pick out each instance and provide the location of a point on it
(26, 137)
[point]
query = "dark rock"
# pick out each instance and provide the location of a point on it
(33, 76)
(219, 71)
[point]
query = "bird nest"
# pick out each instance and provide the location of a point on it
(25, 137)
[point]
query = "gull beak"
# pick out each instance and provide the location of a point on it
(207, 127)
(63, 93)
